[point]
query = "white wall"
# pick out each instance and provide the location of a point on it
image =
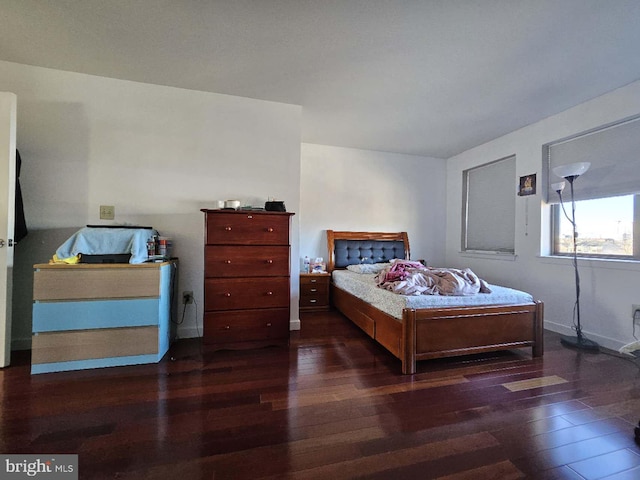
(158, 154)
(363, 190)
(608, 288)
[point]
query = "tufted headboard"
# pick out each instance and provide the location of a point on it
(349, 248)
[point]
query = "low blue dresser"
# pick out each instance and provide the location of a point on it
(100, 315)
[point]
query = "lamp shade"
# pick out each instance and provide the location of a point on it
(558, 187)
(571, 169)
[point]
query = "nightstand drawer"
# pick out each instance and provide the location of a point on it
(314, 289)
(310, 301)
(314, 279)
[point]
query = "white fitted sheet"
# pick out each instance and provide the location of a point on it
(363, 286)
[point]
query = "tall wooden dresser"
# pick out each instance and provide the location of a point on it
(247, 278)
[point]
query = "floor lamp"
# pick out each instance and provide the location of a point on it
(570, 172)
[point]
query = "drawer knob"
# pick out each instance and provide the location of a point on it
(228, 229)
(268, 324)
(314, 281)
(313, 290)
(227, 261)
(227, 327)
(227, 294)
(269, 229)
(313, 300)
(269, 261)
(269, 293)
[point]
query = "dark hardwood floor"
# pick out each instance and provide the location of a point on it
(332, 406)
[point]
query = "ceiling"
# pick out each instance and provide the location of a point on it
(430, 77)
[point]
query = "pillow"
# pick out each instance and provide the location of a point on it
(367, 267)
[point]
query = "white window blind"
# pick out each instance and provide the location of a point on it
(489, 207)
(614, 154)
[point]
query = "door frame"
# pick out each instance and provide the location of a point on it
(8, 118)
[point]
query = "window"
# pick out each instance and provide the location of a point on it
(488, 217)
(607, 195)
(604, 226)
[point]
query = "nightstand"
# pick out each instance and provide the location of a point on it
(314, 291)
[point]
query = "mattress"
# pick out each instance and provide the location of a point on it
(363, 286)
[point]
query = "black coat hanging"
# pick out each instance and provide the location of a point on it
(20, 224)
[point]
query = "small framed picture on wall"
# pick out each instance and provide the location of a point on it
(527, 185)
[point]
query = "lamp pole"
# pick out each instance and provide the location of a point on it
(579, 341)
(575, 259)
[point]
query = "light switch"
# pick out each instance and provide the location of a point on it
(107, 212)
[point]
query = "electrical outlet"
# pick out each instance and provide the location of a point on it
(187, 297)
(630, 348)
(635, 313)
(107, 212)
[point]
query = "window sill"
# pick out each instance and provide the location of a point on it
(507, 257)
(611, 263)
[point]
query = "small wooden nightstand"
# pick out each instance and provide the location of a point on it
(314, 291)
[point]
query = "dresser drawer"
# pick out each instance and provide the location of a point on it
(247, 229)
(95, 283)
(244, 293)
(245, 261)
(246, 325)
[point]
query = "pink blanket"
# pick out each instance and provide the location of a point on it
(413, 278)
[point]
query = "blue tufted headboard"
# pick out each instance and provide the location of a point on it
(349, 248)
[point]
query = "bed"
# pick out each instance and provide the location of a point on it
(418, 331)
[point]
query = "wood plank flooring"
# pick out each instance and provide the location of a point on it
(332, 406)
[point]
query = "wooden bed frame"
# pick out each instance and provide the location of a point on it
(438, 332)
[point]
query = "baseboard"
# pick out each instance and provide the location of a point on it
(189, 332)
(193, 332)
(604, 342)
(21, 343)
